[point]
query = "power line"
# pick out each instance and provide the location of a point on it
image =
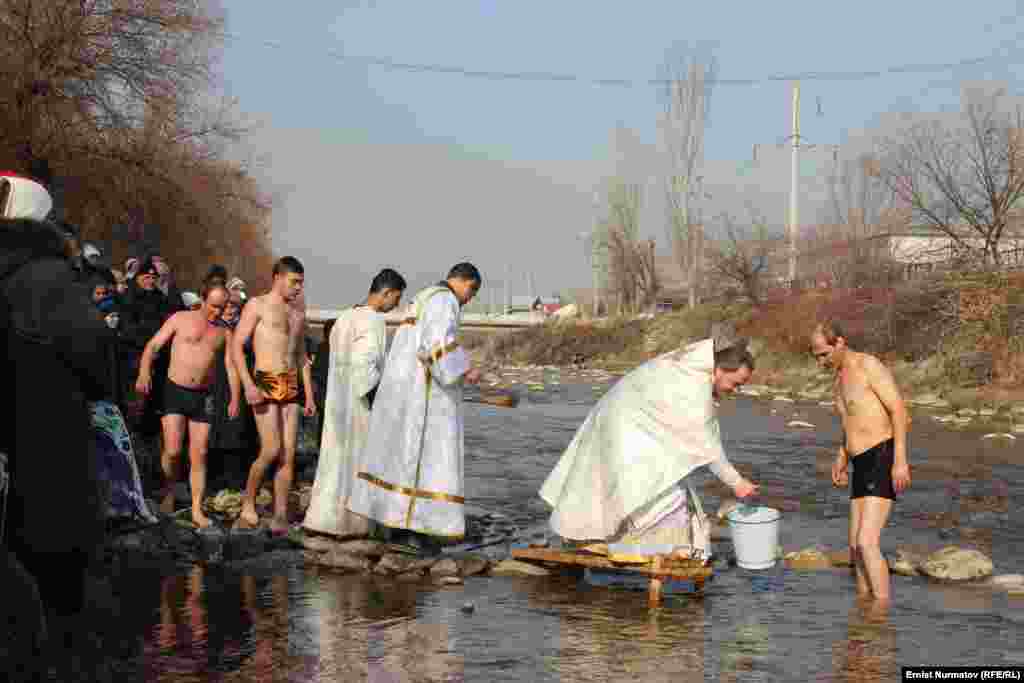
(544, 76)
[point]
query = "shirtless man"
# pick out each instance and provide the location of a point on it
(277, 328)
(875, 422)
(196, 337)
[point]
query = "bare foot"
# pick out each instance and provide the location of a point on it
(200, 520)
(246, 521)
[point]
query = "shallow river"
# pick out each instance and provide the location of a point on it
(274, 620)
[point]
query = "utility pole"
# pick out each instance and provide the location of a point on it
(793, 185)
(508, 276)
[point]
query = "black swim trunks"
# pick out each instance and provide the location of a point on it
(195, 404)
(872, 472)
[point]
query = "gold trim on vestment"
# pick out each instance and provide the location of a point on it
(442, 351)
(412, 493)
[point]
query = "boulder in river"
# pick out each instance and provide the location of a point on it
(445, 567)
(953, 563)
(808, 559)
(338, 560)
(396, 563)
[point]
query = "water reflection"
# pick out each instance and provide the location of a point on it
(267, 623)
(868, 653)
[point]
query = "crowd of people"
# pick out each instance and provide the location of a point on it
(105, 363)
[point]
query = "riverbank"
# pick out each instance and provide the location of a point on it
(951, 342)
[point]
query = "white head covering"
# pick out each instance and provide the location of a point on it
(24, 198)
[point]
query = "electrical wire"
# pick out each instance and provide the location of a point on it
(543, 76)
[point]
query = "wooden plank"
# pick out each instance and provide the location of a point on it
(675, 569)
(654, 587)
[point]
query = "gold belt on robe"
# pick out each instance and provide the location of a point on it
(412, 493)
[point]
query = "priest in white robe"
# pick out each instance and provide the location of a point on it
(410, 477)
(623, 477)
(358, 344)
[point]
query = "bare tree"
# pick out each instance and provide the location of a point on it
(631, 273)
(741, 255)
(845, 247)
(108, 101)
(689, 76)
(963, 181)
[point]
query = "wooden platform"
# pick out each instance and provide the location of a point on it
(659, 569)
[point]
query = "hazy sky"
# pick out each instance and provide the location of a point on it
(373, 166)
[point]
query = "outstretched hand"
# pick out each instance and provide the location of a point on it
(745, 489)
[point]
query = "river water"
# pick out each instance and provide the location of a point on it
(275, 620)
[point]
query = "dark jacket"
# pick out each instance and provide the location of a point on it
(57, 350)
(142, 314)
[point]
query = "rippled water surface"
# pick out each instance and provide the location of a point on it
(273, 620)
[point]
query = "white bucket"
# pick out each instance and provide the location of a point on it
(755, 536)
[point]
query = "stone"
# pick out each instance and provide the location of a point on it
(363, 548)
(241, 545)
(468, 608)
(395, 563)
(1008, 582)
(337, 560)
(445, 567)
(808, 559)
(449, 581)
(517, 568)
(800, 424)
(317, 544)
(409, 577)
(907, 561)
(470, 565)
(953, 563)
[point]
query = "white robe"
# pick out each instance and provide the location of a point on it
(357, 348)
(411, 471)
(621, 478)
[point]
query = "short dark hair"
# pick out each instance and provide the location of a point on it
(209, 288)
(288, 264)
(733, 358)
(831, 330)
(465, 271)
(387, 279)
(217, 272)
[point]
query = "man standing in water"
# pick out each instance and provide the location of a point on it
(277, 329)
(196, 337)
(874, 420)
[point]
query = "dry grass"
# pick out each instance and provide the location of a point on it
(920, 328)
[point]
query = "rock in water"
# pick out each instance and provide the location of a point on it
(335, 559)
(445, 567)
(517, 568)
(364, 548)
(808, 559)
(957, 564)
(800, 423)
(470, 564)
(317, 544)
(394, 563)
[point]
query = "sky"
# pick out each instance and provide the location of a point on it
(371, 166)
